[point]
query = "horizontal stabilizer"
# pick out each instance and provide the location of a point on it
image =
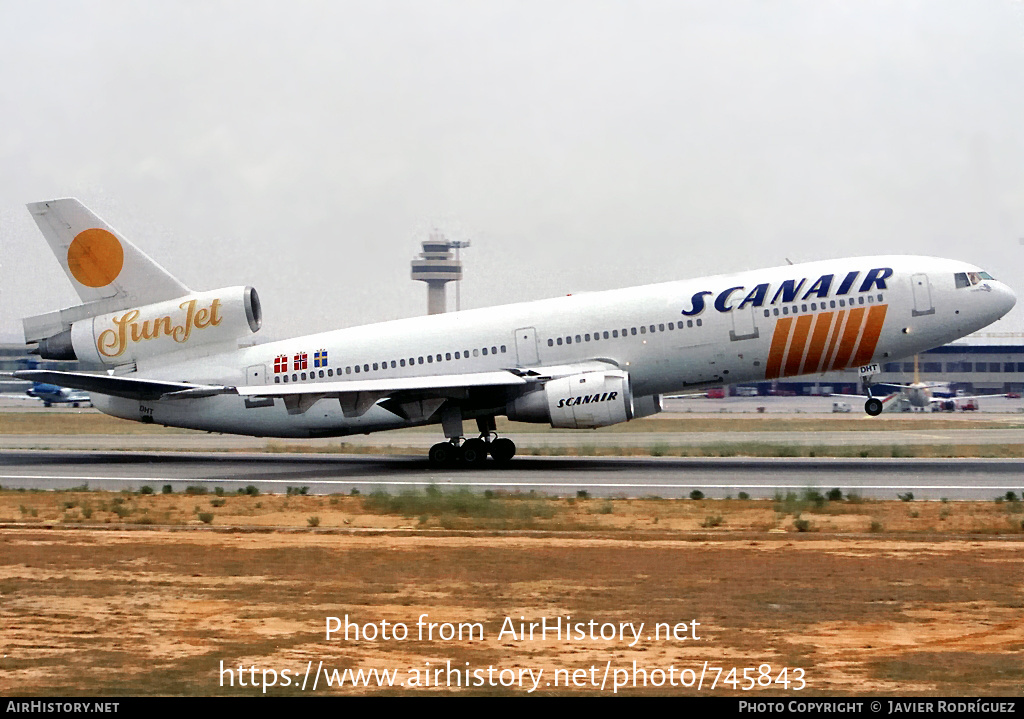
(129, 387)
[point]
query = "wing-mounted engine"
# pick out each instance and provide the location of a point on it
(583, 401)
(197, 320)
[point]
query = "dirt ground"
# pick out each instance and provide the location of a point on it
(873, 598)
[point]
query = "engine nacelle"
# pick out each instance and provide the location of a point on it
(186, 323)
(582, 401)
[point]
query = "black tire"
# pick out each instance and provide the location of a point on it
(503, 450)
(473, 452)
(443, 454)
(873, 407)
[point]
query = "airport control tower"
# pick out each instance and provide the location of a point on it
(437, 267)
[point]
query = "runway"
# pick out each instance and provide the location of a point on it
(955, 479)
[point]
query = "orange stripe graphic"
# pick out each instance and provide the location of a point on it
(796, 349)
(818, 337)
(872, 330)
(778, 348)
(846, 345)
(840, 316)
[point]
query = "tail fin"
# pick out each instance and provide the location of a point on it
(108, 272)
(101, 263)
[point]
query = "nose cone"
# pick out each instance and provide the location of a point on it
(1004, 298)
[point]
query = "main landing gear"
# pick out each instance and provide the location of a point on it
(471, 452)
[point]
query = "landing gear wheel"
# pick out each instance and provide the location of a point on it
(474, 452)
(443, 454)
(503, 450)
(873, 407)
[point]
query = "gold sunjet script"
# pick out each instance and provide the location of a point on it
(113, 342)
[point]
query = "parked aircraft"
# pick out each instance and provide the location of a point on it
(52, 394)
(582, 361)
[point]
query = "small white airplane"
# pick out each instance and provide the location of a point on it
(582, 361)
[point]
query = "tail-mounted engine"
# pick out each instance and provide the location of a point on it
(583, 401)
(190, 322)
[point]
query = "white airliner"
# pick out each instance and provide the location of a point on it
(583, 361)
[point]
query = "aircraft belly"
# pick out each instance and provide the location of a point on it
(230, 414)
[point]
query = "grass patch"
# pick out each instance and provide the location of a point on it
(461, 502)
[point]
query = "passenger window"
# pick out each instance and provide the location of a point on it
(476, 353)
(689, 323)
(661, 328)
(578, 340)
(303, 375)
(842, 303)
(503, 349)
(286, 379)
(366, 368)
(832, 304)
(330, 373)
(430, 359)
(277, 380)
(606, 334)
(393, 364)
(559, 341)
(615, 333)
(652, 329)
(439, 358)
(401, 362)
(348, 370)
(568, 340)
(420, 360)
(632, 330)
(321, 374)
(374, 366)
(586, 337)
(551, 343)
(643, 330)
(485, 351)
(494, 350)
(767, 313)
(671, 325)
(458, 355)
(448, 356)
(357, 369)
(700, 322)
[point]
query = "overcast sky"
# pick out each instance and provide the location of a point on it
(307, 148)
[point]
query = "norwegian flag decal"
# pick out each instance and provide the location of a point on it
(300, 361)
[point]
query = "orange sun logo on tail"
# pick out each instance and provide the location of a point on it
(95, 258)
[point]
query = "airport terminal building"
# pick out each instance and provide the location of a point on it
(983, 363)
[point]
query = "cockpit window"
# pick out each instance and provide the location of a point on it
(966, 279)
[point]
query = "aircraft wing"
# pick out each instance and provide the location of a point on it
(356, 395)
(128, 387)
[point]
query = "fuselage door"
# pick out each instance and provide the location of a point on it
(526, 346)
(256, 374)
(743, 326)
(922, 295)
